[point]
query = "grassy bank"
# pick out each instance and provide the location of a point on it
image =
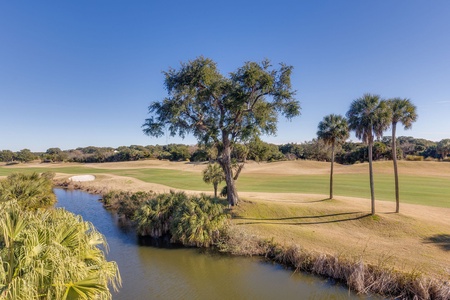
(417, 240)
(355, 273)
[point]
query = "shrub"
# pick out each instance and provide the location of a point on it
(198, 221)
(125, 203)
(414, 158)
(192, 221)
(154, 216)
(224, 191)
(31, 191)
(52, 255)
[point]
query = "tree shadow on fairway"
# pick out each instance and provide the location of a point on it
(316, 201)
(307, 220)
(441, 240)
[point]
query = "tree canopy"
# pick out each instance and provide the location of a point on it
(222, 110)
(443, 148)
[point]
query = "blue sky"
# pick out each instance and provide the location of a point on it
(80, 73)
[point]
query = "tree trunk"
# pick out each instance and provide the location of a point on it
(215, 190)
(394, 158)
(372, 192)
(225, 162)
(331, 172)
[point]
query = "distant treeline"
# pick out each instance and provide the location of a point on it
(349, 153)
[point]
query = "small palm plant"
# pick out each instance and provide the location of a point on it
(214, 174)
(52, 255)
(154, 216)
(192, 221)
(198, 222)
(333, 130)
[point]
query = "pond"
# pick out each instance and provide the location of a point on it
(150, 272)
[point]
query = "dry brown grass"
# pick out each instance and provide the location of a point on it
(343, 227)
(360, 277)
(299, 167)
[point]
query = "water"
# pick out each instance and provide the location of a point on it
(179, 273)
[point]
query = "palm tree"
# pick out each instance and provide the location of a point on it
(52, 254)
(333, 130)
(214, 174)
(368, 116)
(403, 111)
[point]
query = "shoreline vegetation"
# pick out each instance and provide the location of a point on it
(360, 276)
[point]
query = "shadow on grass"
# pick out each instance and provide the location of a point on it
(351, 216)
(441, 240)
(315, 201)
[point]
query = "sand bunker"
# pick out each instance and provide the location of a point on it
(79, 178)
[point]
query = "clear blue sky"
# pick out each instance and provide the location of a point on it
(80, 73)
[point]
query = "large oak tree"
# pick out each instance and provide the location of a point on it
(223, 110)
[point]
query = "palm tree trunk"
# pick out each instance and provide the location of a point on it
(394, 158)
(372, 192)
(331, 172)
(215, 190)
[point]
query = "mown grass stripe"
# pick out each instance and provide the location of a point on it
(426, 190)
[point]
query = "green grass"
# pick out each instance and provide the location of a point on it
(413, 189)
(426, 190)
(5, 171)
